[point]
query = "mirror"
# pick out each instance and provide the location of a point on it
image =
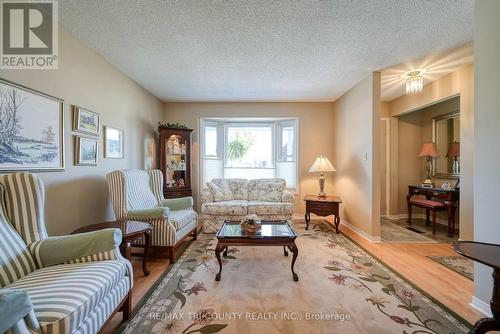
(446, 135)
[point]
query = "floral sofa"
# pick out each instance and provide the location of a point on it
(234, 199)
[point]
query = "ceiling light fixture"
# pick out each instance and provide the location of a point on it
(414, 82)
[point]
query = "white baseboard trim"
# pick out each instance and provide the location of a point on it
(481, 306)
(390, 217)
(360, 232)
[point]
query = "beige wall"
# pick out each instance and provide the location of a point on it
(487, 139)
(78, 196)
(415, 128)
(460, 82)
(357, 145)
(316, 135)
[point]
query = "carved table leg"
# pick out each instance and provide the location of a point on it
(147, 241)
(337, 223)
(126, 249)
(225, 251)
(485, 325)
(284, 251)
(307, 217)
(218, 250)
(293, 248)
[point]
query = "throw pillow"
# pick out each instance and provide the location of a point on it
(220, 191)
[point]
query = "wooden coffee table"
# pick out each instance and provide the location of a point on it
(270, 234)
(131, 230)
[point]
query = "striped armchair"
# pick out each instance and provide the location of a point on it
(138, 195)
(66, 284)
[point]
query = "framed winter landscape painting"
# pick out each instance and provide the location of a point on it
(86, 151)
(113, 143)
(86, 121)
(31, 129)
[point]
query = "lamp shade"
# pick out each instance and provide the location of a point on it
(321, 165)
(453, 150)
(428, 150)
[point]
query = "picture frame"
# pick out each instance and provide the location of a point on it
(31, 129)
(86, 121)
(113, 143)
(86, 151)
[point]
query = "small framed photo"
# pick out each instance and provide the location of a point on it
(86, 151)
(86, 121)
(113, 143)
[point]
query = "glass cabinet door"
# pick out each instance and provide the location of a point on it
(176, 165)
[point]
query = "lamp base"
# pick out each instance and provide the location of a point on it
(321, 185)
(322, 194)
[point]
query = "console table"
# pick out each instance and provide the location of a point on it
(323, 206)
(489, 255)
(436, 199)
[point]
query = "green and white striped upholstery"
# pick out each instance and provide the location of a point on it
(15, 258)
(24, 201)
(74, 282)
(138, 195)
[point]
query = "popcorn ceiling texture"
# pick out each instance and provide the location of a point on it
(263, 50)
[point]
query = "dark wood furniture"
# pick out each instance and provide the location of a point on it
(489, 255)
(131, 231)
(436, 199)
(175, 161)
(323, 206)
(270, 234)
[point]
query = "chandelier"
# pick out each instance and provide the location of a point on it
(414, 83)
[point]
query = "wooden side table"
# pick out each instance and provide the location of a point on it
(131, 231)
(323, 206)
(489, 255)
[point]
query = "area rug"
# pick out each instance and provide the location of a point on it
(459, 264)
(391, 232)
(341, 289)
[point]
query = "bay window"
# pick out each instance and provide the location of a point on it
(249, 149)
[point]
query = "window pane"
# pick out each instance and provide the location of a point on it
(211, 141)
(249, 147)
(287, 149)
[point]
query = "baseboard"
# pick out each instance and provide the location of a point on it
(360, 232)
(391, 217)
(481, 306)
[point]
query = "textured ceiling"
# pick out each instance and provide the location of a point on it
(263, 50)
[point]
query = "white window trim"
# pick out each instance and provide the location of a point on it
(219, 120)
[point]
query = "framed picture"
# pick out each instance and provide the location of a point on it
(86, 151)
(113, 143)
(31, 129)
(86, 121)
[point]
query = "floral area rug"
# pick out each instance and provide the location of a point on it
(341, 289)
(459, 264)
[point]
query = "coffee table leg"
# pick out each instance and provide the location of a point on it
(218, 250)
(307, 217)
(147, 241)
(126, 249)
(225, 251)
(295, 251)
(284, 251)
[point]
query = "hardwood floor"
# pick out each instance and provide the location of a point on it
(409, 260)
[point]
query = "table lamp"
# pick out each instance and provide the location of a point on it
(429, 151)
(321, 165)
(454, 152)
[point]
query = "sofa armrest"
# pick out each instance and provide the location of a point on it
(57, 250)
(287, 197)
(175, 204)
(16, 308)
(206, 196)
(154, 213)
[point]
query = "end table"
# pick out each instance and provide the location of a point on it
(131, 230)
(489, 255)
(323, 206)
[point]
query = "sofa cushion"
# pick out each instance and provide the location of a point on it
(227, 208)
(266, 190)
(181, 218)
(64, 295)
(270, 208)
(220, 191)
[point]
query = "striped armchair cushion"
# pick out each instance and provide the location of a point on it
(24, 199)
(15, 258)
(63, 296)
